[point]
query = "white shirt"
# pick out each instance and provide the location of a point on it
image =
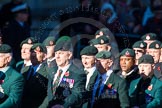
(91, 71)
(64, 69)
(106, 76)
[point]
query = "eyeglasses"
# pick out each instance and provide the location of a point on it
(141, 51)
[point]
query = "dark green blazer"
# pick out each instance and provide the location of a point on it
(66, 95)
(13, 88)
(153, 94)
(19, 66)
(35, 89)
(114, 94)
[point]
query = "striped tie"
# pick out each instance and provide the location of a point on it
(56, 82)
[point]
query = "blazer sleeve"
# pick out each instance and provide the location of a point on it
(15, 94)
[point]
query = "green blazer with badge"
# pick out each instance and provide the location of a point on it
(35, 89)
(113, 95)
(69, 92)
(13, 88)
(152, 96)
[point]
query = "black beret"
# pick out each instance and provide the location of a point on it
(149, 36)
(39, 47)
(63, 45)
(4, 48)
(146, 59)
(155, 45)
(140, 44)
(29, 40)
(103, 55)
(128, 52)
(49, 41)
(89, 50)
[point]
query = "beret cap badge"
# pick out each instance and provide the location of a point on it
(29, 41)
(141, 45)
(102, 41)
(38, 49)
(127, 53)
(51, 43)
(148, 37)
(157, 46)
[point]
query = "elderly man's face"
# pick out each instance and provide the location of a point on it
(50, 51)
(37, 57)
(126, 63)
(63, 57)
(101, 47)
(88, 61)
(145, 70)
(103, 65)
(4, 60)
(25, 51)
(155, 53)
(138, 52)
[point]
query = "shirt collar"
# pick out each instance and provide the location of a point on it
(91, 70)
(64, 69)
(4, 69)
(50, 59)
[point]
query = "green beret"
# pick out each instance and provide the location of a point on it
(63, 45)
(63, 38)
(103, 55)
(93, 42)
(155, 45)
(149, 36)
(29, 40)
(128, 52)
(146, 59)
(103, 39)
(4, 48)
(140, 44)
(89, 50)
(49, 41)
(39, 47)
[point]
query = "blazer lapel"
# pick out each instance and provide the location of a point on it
(92, 80)
(7, 75)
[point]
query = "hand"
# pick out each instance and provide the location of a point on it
(58, 106)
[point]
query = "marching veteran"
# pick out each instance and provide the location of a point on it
(146, 91)
(11, 87)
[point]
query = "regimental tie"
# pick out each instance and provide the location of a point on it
(99, 86)
(56, 82)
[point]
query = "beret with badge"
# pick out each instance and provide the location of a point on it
(103, 40)
(38, 47)
(149, 36)
(128, 52)
(93, 42)
(146, 59)
(103, 55)
(89, 50)
(5, 48)
(29, 40)
(155, 45)
(64, 44)
(140, 44)
(49, 41)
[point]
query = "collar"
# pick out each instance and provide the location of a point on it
(50, 59)
(64, 69)
(4, 69)
(27, 63)
(91, 70)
